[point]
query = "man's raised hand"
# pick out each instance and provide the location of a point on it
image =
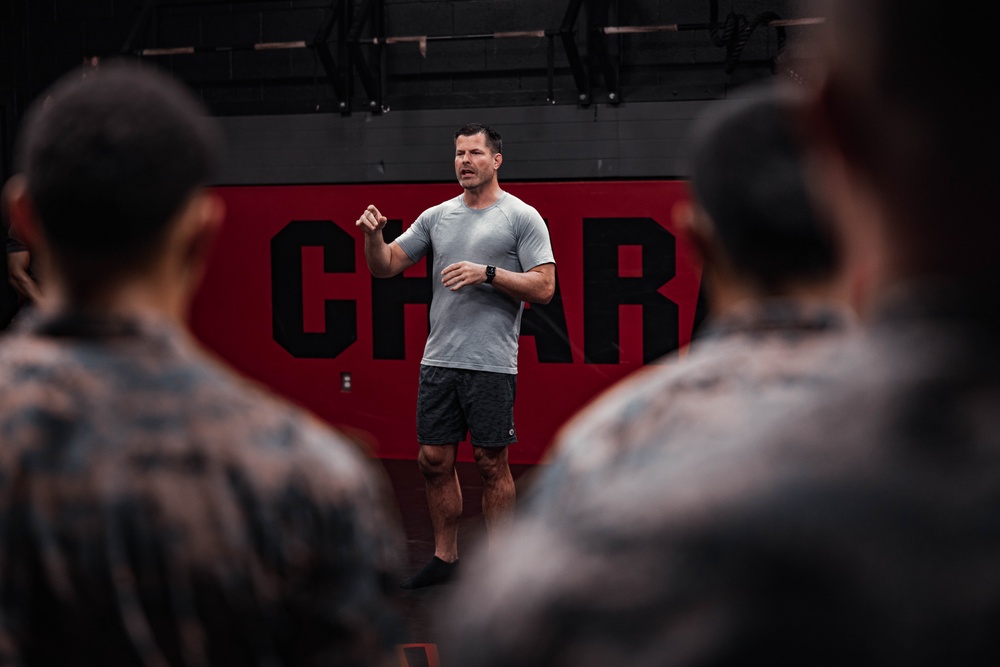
(371, 221)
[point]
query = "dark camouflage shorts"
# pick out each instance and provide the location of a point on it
(454, 401)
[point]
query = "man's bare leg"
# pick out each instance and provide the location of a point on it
(444, 501)
(498, 488)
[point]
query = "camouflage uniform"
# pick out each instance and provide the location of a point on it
(157, 510)
(613, 559)
(757, 358)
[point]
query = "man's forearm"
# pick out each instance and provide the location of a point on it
(378, 255)
(530, 286)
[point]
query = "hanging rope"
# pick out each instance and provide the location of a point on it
(735, 32)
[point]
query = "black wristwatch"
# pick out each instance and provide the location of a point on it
(491, 273)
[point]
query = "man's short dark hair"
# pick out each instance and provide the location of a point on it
(748, 176)
(493, 138)
(109, 159)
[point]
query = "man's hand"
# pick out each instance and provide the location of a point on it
(461, 274)
(536, 285)
(371, 221)
(384, 260)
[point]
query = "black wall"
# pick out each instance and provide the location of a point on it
(337, 108)
(330, 106)
(637, 140)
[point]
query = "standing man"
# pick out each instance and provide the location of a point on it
(492, 253)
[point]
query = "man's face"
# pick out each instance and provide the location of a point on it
(475, 163)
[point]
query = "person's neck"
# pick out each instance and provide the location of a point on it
(141, 297)
(483, 196)
(728, 294)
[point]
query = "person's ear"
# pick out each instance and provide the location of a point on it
(497, 160)
(21, 211)
(827, 123)
(682, 213)
(692, 223)
(212, 213)
(202, 225)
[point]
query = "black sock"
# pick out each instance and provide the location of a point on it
(435, 572)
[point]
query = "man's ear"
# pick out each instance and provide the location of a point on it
(21, 211)
(693, 225)
(201, 224)
(497, 160)
(825, 124)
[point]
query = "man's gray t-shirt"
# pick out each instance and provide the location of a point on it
(477, 327)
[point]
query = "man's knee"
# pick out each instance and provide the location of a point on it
(436, 461)
(491, 461)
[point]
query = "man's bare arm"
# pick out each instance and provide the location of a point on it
(536, 285)
(384, 259)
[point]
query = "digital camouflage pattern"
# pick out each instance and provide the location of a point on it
(597, 569)
(857, 525)
(155, 509)
(759, 357)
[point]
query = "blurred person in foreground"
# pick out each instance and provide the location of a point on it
(861, 526)
(155, 508)
(771, 271)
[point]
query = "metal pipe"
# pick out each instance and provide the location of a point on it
(167, 52)
(455, 38)
(277, 46)
(261, 46)
(682, 27)
(423, 40)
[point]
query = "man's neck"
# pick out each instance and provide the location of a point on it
(483, 196)
(728, 293)
(143, 297)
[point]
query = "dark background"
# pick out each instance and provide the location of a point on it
(337, 108)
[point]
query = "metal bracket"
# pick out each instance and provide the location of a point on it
(598, 54)
(350, 53)
(370, 75)
(565, 33)
(340, 11)
(139, 27)
(597, 47)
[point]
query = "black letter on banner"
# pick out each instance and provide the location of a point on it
(286, 289)
(389, 295)
(604, 290)
(547, 323)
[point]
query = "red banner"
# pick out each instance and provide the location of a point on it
(288, 300)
